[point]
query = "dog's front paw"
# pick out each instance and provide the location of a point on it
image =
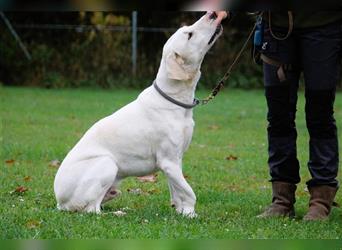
(191, 215)
(187, 212)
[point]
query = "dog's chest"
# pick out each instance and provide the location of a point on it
(178, 133)
(188, 129)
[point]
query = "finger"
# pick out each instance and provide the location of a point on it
(220, 16)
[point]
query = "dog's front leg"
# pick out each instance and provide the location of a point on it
(175, 200)
(180, 188)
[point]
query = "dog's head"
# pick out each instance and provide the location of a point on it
(184, 51)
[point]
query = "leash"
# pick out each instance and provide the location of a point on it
(218, 86)
(225, 77)
(290, 29)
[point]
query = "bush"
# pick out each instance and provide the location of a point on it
(100, 57)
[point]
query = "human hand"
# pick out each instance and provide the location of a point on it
(219, 15)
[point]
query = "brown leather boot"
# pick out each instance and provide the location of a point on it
(321, 201)
(282, 201)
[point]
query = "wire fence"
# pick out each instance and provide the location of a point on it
(87, 28)
(69, 56)
(134, 28)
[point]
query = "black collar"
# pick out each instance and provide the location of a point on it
(174, 101)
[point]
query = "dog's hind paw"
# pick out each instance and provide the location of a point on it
(111, 194)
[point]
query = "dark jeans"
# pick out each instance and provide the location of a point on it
(317, 53)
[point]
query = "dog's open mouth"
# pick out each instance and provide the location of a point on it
(216, 33)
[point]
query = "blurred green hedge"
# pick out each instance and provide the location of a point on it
(102, 58)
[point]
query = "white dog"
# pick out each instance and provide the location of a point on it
(149, 134)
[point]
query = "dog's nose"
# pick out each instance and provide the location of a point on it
(213, 15)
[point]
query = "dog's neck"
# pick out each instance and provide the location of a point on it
(183, 91)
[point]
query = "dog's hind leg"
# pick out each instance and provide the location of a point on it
(112, 193)
(99, 180)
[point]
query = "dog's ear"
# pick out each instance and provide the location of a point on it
(175, 67)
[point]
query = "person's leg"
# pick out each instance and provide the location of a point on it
(281, 130)
(320, 53)
(281, 99)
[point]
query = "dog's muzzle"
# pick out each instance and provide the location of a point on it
(216, 33)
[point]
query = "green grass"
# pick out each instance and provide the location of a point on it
(42, 125)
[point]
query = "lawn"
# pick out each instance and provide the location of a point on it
(225, 165)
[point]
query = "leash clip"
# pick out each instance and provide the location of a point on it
(197, 102)
(204, 102)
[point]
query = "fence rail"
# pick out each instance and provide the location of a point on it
(86, 28)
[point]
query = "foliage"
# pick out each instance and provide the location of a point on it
(102, 57)
(88, 58)
(225, 165)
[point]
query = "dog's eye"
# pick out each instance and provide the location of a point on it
(189, 35)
